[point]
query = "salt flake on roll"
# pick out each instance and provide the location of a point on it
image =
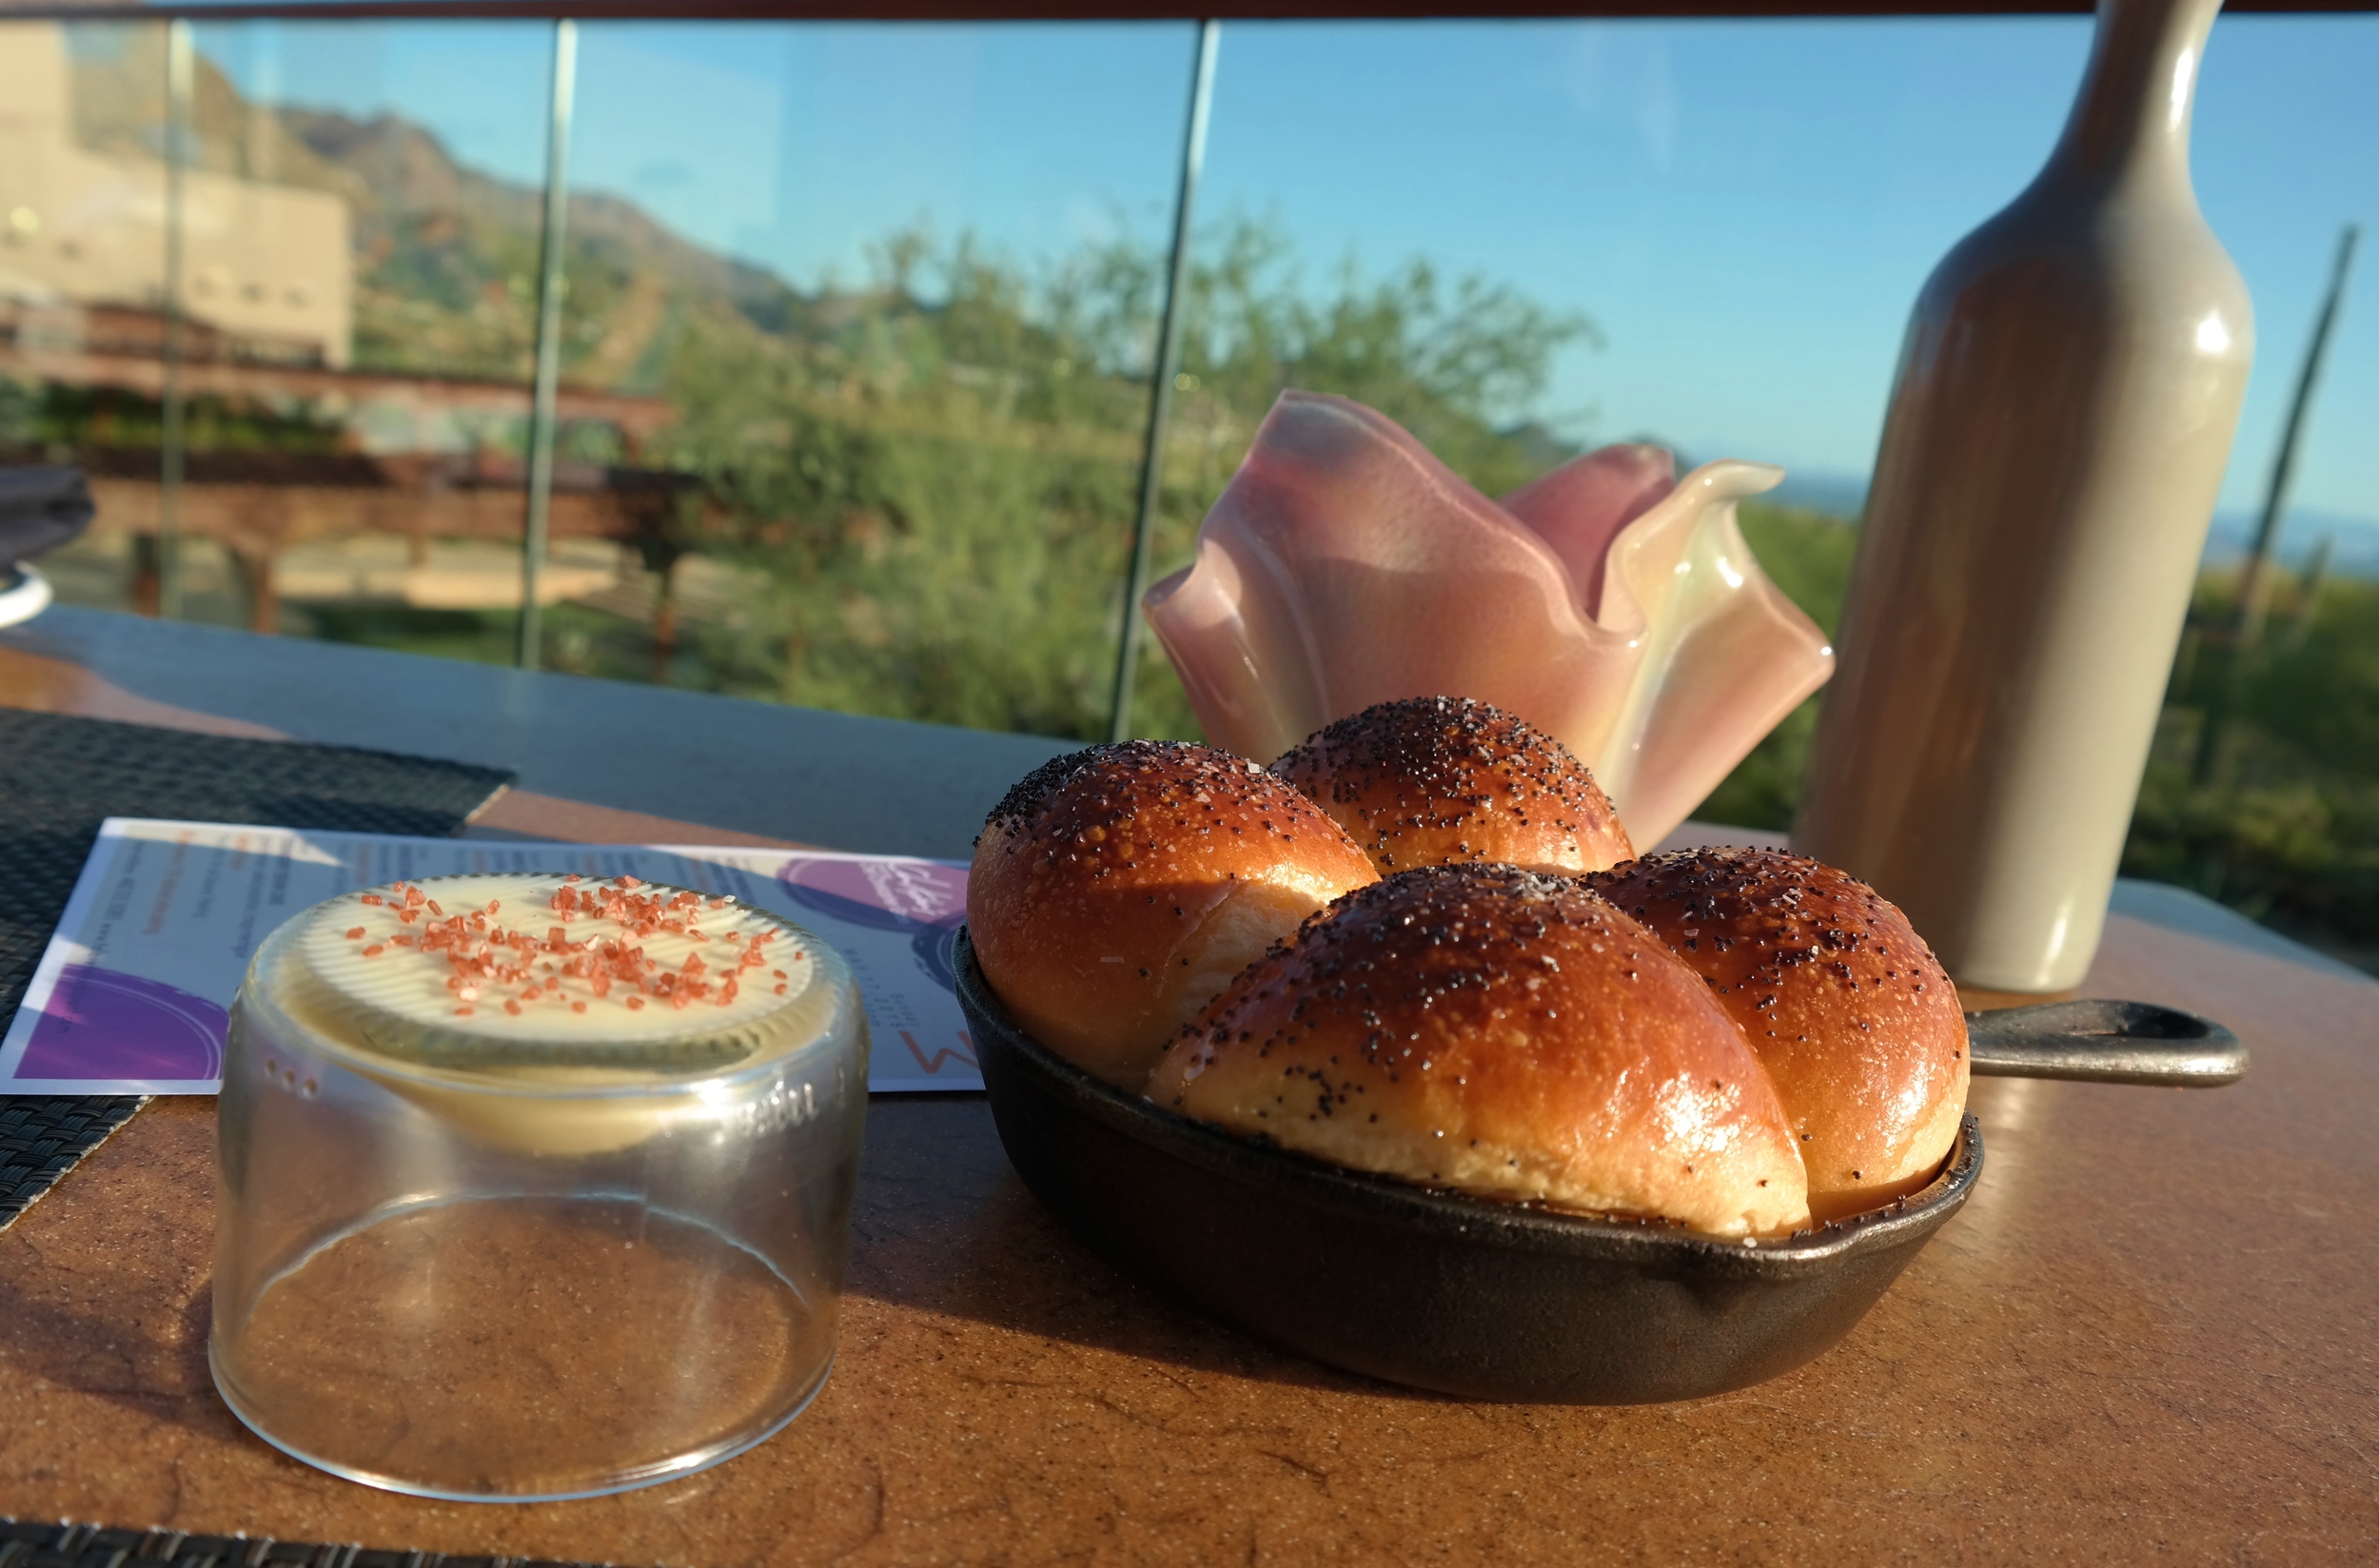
(1604, 604)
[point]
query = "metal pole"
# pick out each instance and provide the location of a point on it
(2254, 591)
(550, 283)
(174, 431)
(1167, 367)
(2254, 586)
(2308, 597)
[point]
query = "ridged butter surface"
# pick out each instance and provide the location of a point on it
(493, 955)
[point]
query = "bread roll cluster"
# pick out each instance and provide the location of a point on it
(1419, 946)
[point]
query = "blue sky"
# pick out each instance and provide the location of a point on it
(1746, 208)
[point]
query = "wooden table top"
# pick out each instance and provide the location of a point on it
(2148, 1337)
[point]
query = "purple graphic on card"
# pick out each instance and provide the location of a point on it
(920, 900)
(99, 1024)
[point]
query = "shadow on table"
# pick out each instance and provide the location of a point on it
(117, 1349)
(945, 1225)
(112, 1298)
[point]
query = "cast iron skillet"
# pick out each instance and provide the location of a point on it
(1494, 1301)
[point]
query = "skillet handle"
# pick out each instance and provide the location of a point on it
(2105, 1043)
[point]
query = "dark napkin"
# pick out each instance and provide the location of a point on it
(60, 776)
(40, 509)
(38, 1543)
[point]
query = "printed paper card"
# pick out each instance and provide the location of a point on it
(132, 995)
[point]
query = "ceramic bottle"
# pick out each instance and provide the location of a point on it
(2064, 407)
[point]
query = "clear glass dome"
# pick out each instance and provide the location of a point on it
(534, 1186)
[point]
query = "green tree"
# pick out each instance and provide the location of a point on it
(937, 483)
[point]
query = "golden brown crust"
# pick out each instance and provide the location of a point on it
(1116, 890)
(1504, 1033)
(1436, 781)
(1852, 1016)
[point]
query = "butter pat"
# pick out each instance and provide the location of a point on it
(560, 1013)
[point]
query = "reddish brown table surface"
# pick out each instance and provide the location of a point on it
(2150, 1337)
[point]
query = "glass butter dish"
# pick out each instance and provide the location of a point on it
(534, 1186)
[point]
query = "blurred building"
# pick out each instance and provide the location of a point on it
(267, 270)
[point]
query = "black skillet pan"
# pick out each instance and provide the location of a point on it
(1494, 1301)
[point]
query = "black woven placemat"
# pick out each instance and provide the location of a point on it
(37, 1545)
(60, 776)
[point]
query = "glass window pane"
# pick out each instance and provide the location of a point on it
(1745, 210)
(1523, 238)
(2275, 810)
(883, 298)
(2286, 153)
(82, 278)
(361, 218)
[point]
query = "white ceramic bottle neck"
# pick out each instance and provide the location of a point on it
(2129, 131)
